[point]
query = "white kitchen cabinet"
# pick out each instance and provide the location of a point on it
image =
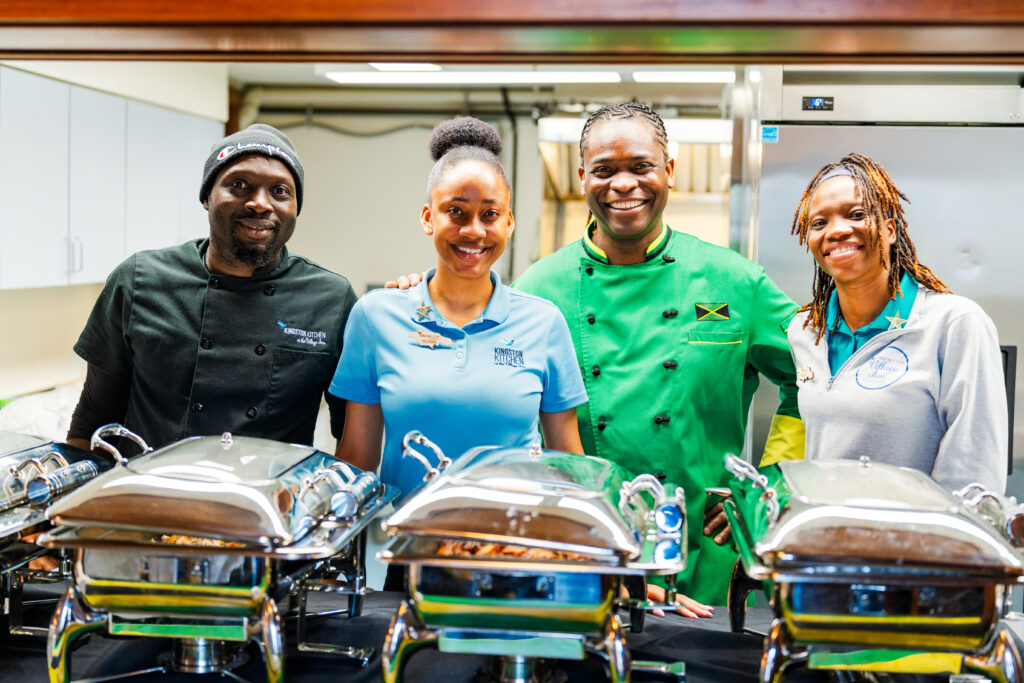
(33, 180)
(87, 179)
(197, 137)
(96, 187)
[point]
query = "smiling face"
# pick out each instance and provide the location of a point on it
(842, 236)
(252, 209)
(469, 218)
(626, 177)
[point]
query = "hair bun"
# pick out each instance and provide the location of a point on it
(463, 131)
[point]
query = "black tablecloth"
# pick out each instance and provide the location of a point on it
(711, 652)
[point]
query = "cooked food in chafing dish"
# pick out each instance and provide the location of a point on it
(452, 548)
(180, 539)
(200, 542)
(521, 553)
(875, 567)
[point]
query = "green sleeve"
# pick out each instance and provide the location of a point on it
(770, 356)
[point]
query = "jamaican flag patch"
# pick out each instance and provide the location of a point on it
(708, 312)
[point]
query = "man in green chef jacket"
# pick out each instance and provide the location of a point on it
(671, 334)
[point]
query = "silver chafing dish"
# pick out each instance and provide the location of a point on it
(566, 530)
(875, 568)
(206, 541)
(33, 473)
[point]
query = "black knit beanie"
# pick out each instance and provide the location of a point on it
(258, 138)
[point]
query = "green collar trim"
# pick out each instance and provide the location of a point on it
(598, 254)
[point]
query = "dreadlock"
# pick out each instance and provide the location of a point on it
(882, 201)
(626, 110)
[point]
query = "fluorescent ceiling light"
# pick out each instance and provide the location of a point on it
(703, 131)
(684, 76)
(471, 77)
(404, 66)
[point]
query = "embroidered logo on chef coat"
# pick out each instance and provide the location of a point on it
(504, 355)
(712, 312)
(310, 337)
(884, 369)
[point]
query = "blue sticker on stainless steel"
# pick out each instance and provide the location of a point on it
(769, 133)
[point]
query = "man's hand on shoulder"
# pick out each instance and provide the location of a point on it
(405, 281)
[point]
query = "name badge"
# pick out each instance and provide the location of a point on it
(429, 339)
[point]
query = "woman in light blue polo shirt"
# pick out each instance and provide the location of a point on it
(461, 357)
(908, 374)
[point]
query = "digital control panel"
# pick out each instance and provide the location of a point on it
(818, 103)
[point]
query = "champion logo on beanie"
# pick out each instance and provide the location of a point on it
(259, 139)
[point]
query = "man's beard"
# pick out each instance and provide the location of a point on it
(256, 257)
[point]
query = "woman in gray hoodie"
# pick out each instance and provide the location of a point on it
(890, 364)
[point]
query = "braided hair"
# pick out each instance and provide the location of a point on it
(626, 110)
(882, 202)
(456, 140)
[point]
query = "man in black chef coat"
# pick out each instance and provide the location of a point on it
(230, 333)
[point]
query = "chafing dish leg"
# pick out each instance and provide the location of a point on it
(70, 620)
(778, 653)
(740, 587)
(616, 649)
(1000, 661)
(406, 634)
(272, 641)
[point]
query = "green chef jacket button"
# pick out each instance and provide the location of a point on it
(668, 259)
(661, 476)
(669, 313)
(198, 406)
(251, 412)
(206, 343)
(590, 270)
(591, 318)
(669, 364)
(661, 419)
(596, 371)
(601, 426)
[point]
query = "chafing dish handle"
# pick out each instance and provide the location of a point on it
(443, 461)
(48, 486)
(1001, 512)
(742, 469)
(115, 429)
(350, 500)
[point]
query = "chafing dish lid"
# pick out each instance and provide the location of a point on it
(547, 499)
(871, 513)
(871, 485)
(239, 488)
(11, 442)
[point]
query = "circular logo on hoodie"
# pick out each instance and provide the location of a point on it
(884, 369)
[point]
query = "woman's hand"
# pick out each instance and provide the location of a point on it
(688, 607)
(405, 281)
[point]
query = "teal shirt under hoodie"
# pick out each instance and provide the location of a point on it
(929, 395)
